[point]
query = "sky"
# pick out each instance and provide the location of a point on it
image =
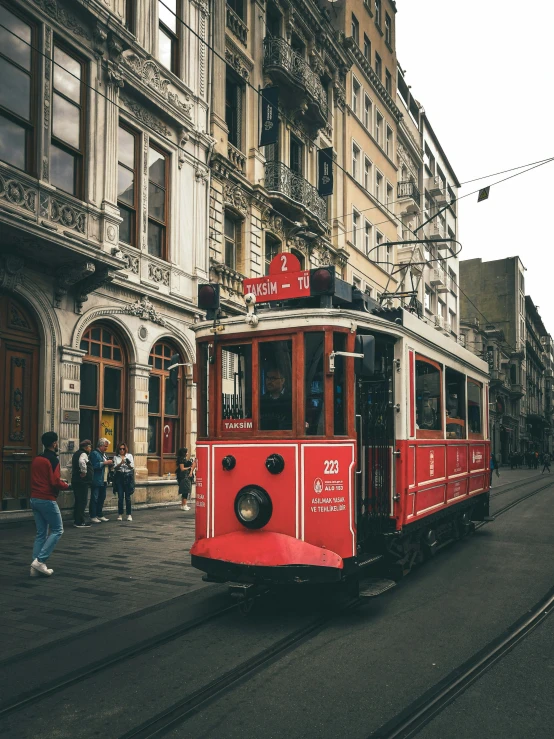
(483, 71)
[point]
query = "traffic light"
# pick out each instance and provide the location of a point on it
(322, 281)
(208, 299)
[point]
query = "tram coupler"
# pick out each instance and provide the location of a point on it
(242, 591)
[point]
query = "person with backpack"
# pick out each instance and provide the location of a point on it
(185, 471)
(81, 478)
(45, 486)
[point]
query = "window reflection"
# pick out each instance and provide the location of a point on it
(275, 382)
(314, 416)
(428, 396)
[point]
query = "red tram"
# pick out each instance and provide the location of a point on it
(331, 433)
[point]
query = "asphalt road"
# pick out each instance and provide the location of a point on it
(355, 673)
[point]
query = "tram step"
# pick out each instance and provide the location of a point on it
(370, 559)
(375, 586)
(488, 518)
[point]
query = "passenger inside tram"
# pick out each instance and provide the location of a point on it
(276, 401)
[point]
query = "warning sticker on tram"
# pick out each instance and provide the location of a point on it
(284, 286)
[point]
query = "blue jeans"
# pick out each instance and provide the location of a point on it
(122, 486)
(47, 514)
(97, 498)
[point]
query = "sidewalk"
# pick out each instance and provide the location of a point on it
(100, 574)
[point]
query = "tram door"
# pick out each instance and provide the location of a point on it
(375, 430)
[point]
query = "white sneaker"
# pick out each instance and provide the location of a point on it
(41, 568)
(95, 520)
(33, 572)
(120, 518)
(129, 518)
(103, 518)
(186, 508)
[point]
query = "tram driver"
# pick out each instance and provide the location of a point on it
(276, 402)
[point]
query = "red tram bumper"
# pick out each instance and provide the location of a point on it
(265, 557)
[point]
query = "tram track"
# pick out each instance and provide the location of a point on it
(182, 710)
(424, 709)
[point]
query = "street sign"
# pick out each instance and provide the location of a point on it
(484, 194)
(284, 262)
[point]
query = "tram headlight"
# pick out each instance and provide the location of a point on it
(253, 507)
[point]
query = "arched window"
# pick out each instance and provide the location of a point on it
(165, 409)
(102, 386)
(301, 258)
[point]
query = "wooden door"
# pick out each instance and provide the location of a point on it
(19, 365)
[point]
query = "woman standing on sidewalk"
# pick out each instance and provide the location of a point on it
(124, 480)
(185, 471)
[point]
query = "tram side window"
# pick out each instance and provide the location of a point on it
(339, 387)
(455, 404)
(275, 361)
(474, 407)
(314, 379)
(428, 398)
(204, 379)
(236, 381)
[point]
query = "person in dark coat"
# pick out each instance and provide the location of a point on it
(81, 478)
(185, 471)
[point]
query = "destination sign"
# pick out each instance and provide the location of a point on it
(282, 286)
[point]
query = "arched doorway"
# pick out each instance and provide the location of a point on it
(103, 385)
(19, 369)
(166, 409)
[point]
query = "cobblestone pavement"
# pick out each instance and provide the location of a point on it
(102, 573)
(108, 571)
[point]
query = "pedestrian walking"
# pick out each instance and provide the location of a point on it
(81, 478)
(185, 471)
(100, 467)
(45, 486)
(546, 462)
(123, 480)
(493, 468)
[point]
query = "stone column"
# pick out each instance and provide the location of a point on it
(110, 233)
(138, 404)
(70, 399)
(218, 74)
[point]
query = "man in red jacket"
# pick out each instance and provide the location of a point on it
(45, 486)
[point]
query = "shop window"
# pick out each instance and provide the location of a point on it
(314, 384)
(428, 399)
(165, 409)
(455, 404)
(17, 69)
(275, 383)
(474, 409)
(103, 381)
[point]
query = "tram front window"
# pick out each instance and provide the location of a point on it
(275, 385)
(236, 381)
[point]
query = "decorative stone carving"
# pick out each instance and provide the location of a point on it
(18, 194)
(340, 95)
(99, 36)
(17, 318)
(142, 333)
(68, 215)
(145, 116)
(111, 232)
(69, 275)
(83, 289)
(201, 173)
(233, 195)
(131, 262)
(184, 136)
(149, 74)
(273, 222)
(11, 272)
(52, 8)
(236, 61)
(158, 274)
(144, 309)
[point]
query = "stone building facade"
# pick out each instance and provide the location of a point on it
(104, 192)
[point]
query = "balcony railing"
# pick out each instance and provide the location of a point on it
(281, 56)
(279, 178)
(408, 190)
(236, 157)
(237, 25)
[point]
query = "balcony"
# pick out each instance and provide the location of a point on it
(287, 67)
(409, 191)
(237, 26)
(236, 157)
(517, 391)
(439, 280)
(433, 185)
(296, 194)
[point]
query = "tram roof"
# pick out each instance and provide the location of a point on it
(411, 327)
